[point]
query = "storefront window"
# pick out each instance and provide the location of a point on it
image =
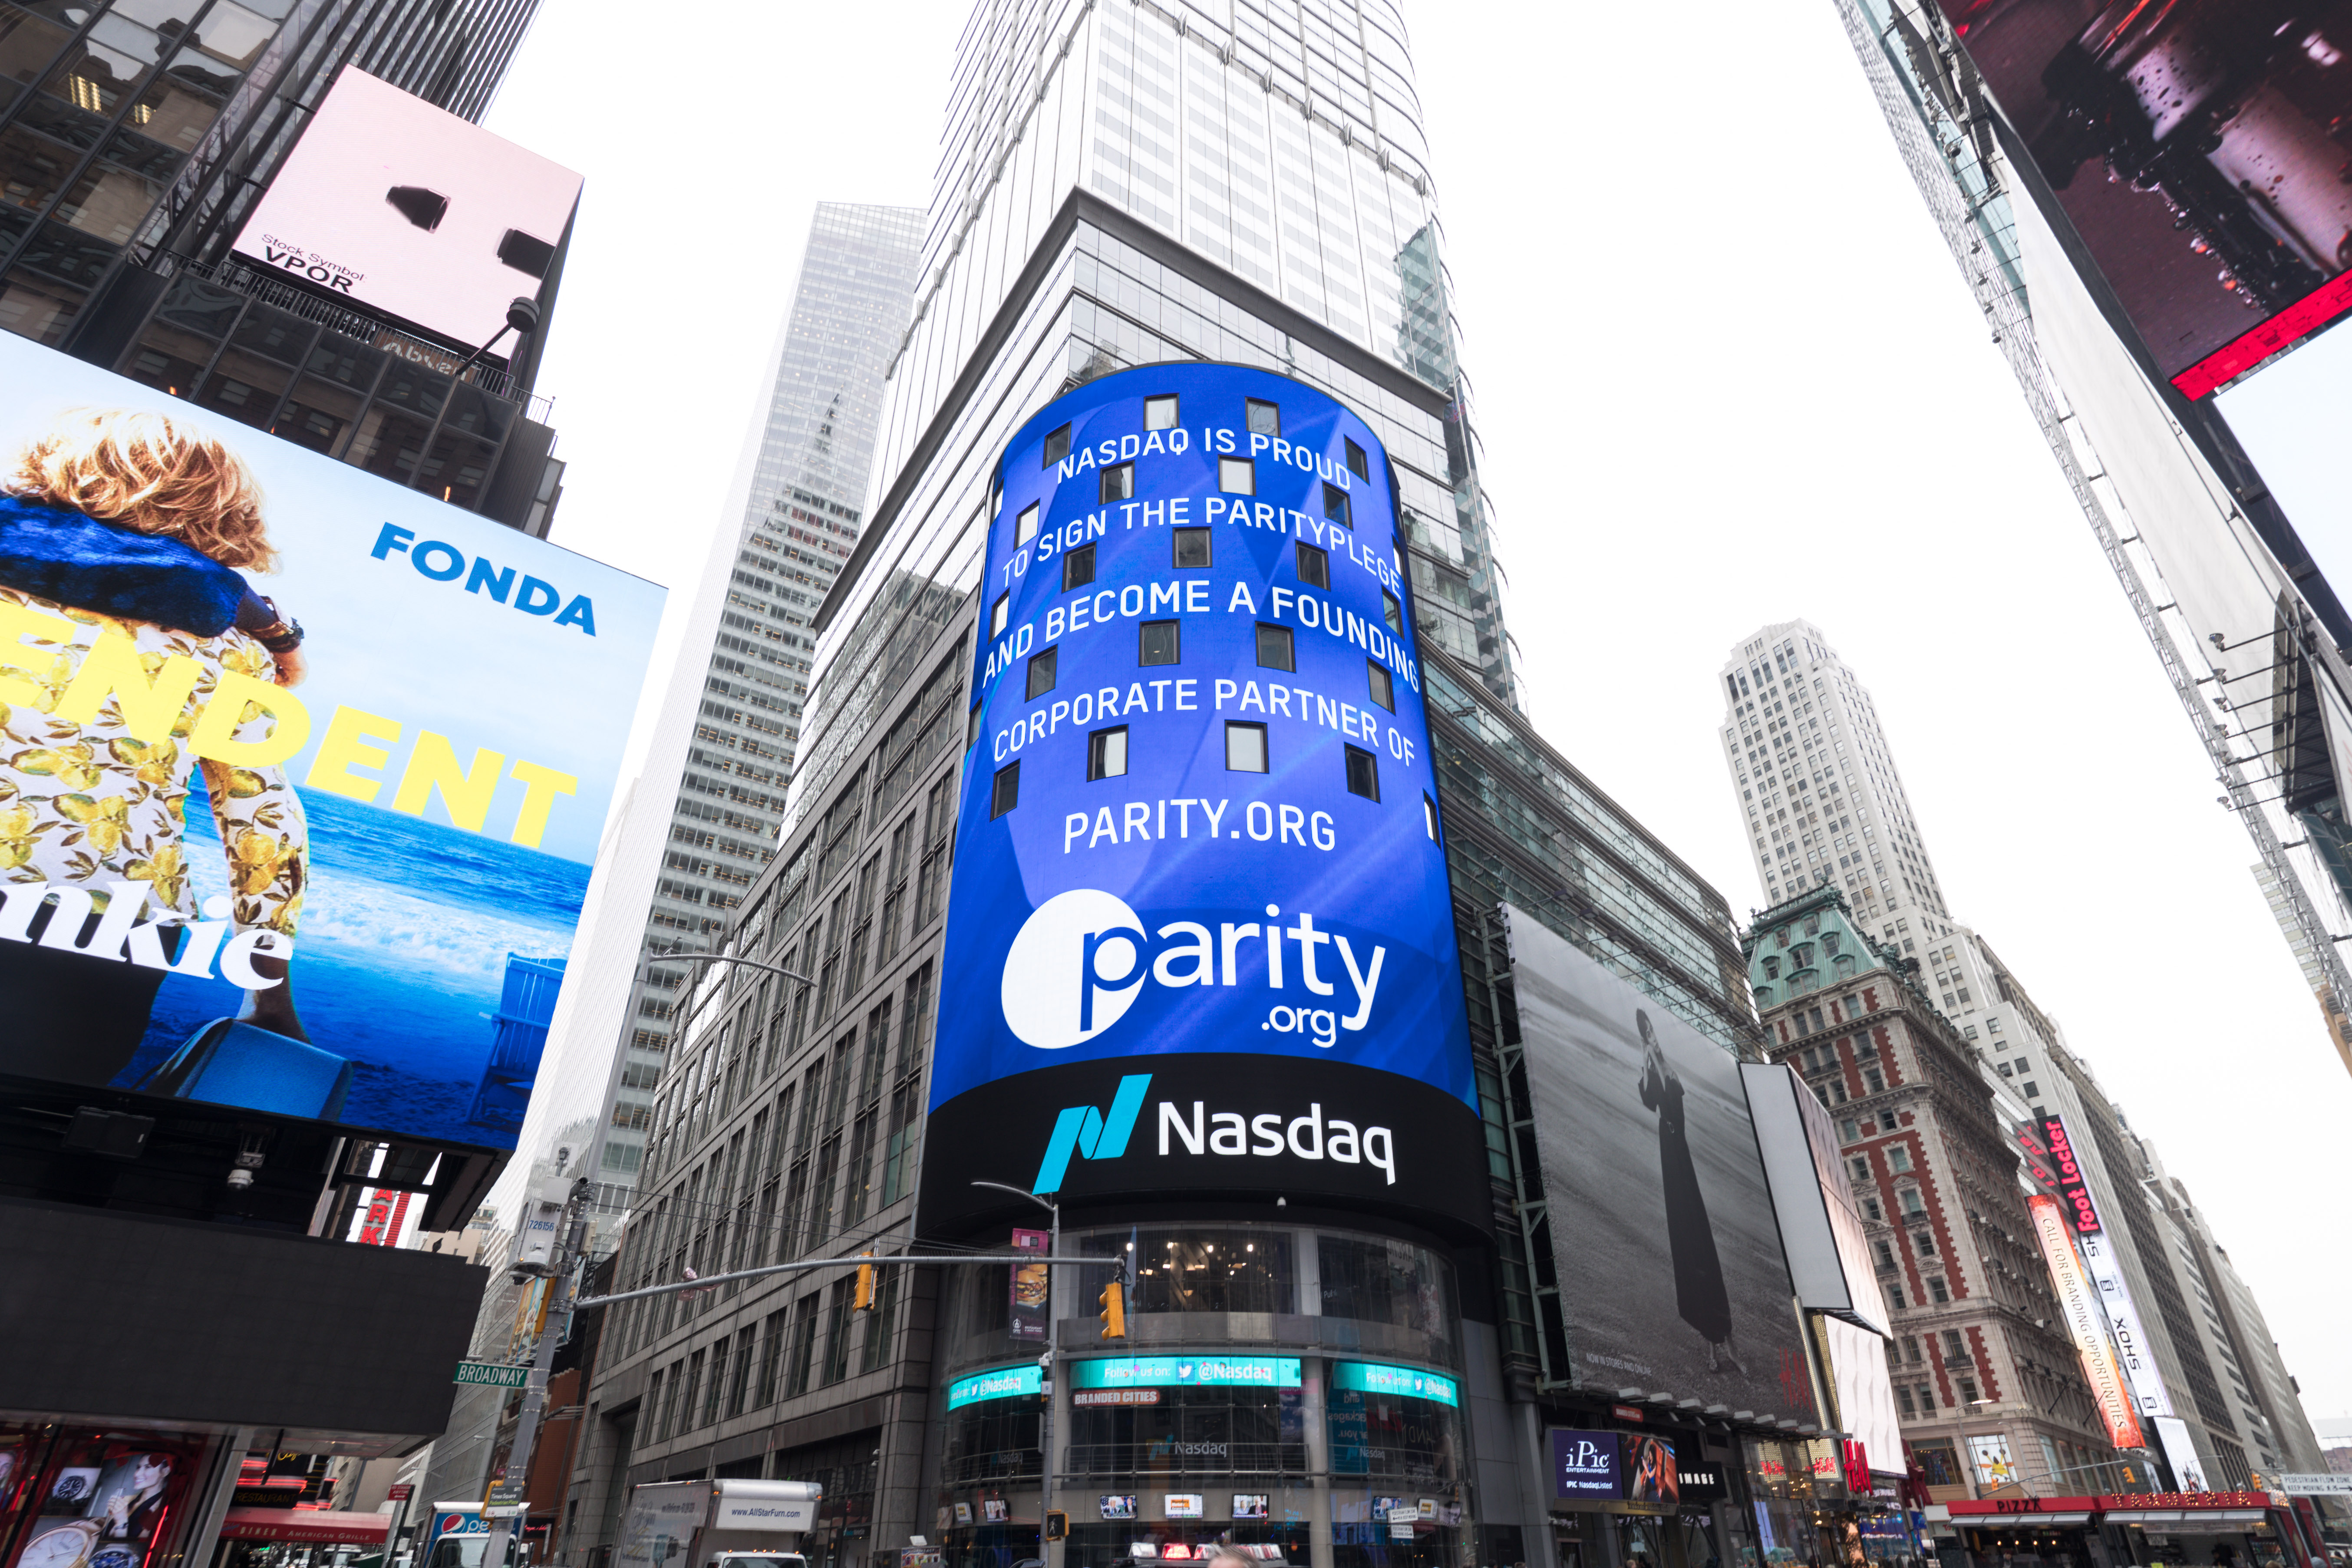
(93, 1497)
(1215, 1430)
(1388, 1282)
(1196, 1268)
(992, 1439)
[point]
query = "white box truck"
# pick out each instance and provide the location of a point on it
(718, 1524)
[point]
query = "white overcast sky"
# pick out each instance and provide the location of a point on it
(1726, 375)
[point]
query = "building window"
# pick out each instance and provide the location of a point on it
(1870, 1209)
(1244, 748)
(1057, 446)
(1903, 1400)
(1042, 666)
(1106, 753)
(1273, 648)
(1923, 1242)
(1874, 1081)
(1314, 566)
(998, 615)
(1006, 792)
(1237, 476)
(1118, 482)
(1861, 1166)
(1078, 567)
(1335, 507)
(1936, 1291)
(1024, 528)
(1191, 548)
(1159, 413)
(1849, 1131)
(1358, 464)
(2031, 1091)
(1157, 643)
(1928, 1407)
(1968, 1394)
(1363, 773)
(1895, 1294)
(1265, 418)
(1909, 1198)
(1429, 817)
(1886, 1253)
(1393, 612)
(1383, 686)
(1898, 1157)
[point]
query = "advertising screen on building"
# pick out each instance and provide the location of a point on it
(2084, 1323)
(1822, 1235)
(407, 210)
(1866, 1396)
(1671, 1271)
(2078, 1208)
(2196, 150)
(335, 882)
(1200, 935)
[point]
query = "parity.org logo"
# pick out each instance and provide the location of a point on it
(1081, 959)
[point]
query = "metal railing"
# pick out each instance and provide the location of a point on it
(345, 321)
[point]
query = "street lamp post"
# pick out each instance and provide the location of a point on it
(572, 1231)
(1046, 1550)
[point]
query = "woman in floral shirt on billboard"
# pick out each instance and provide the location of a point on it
(113, 525)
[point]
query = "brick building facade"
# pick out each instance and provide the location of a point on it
(1990, 1391)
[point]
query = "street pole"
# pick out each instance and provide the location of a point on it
(1047, 1550)
(572, 1251)
(516, 1471)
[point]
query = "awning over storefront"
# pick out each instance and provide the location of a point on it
(310, 1526)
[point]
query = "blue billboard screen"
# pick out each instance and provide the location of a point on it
(1199, 813)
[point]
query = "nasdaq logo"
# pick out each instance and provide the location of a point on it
(1084, 1130)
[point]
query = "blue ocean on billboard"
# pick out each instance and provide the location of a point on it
(407, 940)
(1199, 813)
(411, 827)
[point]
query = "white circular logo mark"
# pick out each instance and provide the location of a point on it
(1074, 970)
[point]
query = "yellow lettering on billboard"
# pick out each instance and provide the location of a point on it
(215, 737)
(541, 785)
(348, 738)
(16, 623)
(111, 669)
(467, 794)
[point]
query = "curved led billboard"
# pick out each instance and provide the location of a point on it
(1198, 935)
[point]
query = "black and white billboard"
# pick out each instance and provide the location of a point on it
(1672, 1278)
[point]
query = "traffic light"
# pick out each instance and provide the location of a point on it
(1057, 1525)
(862, 1300)
(1113, 1301)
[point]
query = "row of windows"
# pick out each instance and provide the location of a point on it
(1246, 752)
(1162, 413)
(1162, 642)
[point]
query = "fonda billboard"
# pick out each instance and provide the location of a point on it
(2197, 150)
(331, 878)
(1659, 1218)
(410, 211)
(1200, 935)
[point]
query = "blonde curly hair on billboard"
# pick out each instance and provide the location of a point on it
(144, 472)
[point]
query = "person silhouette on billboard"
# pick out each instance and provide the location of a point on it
(1699, 1294)
(121, 525)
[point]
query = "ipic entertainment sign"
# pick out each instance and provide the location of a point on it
(1200, 935)
(1584, 1464)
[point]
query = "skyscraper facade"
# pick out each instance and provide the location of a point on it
(1824, 803)
(128, 130)
(1824, 808)
(798, 527)
(1119, 187)
(2152, 292)
(135, 143)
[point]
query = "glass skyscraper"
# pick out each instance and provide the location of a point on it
(1118, 186)
(808, 486)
